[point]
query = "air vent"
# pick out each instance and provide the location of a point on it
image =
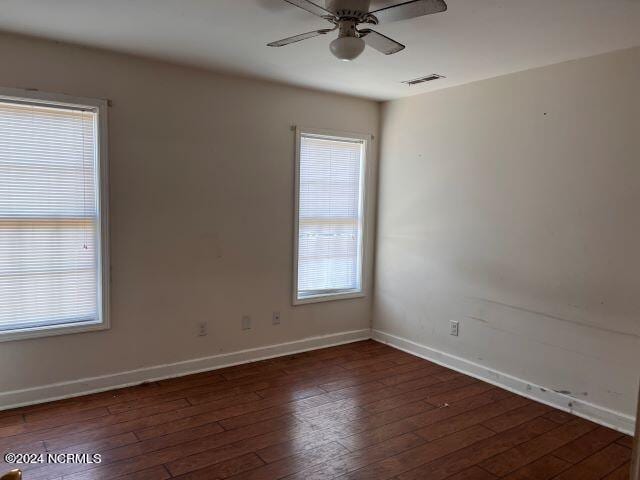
(428, 78)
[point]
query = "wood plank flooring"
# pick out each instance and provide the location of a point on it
(357, 411)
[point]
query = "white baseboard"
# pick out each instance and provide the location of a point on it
(57, 391)
(595, 413)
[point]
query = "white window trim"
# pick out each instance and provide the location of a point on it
(366, 196)
(100, 106)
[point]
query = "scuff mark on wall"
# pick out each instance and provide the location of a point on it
(478, 319)
(571, 394)
(555, 317)
(541, 342)
(563, 392)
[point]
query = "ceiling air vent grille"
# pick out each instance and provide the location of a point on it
(428, 78)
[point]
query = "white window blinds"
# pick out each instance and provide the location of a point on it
(49, 216)
(330, 216)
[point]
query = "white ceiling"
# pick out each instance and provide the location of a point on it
(474, 39)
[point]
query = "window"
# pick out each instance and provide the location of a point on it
(53, 221)
(330, 216)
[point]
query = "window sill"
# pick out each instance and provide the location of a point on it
(54, 330)
(328, 298)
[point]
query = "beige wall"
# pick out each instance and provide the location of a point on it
(201, 211)
(512, 206)
(521, 225)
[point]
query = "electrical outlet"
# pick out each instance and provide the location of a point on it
(246, 322)
(202, 329)
(276, 318)
(454, 327)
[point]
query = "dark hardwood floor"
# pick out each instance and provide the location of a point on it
(357, 411)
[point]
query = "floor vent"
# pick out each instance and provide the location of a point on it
(428, 78)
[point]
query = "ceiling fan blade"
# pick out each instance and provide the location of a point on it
(415, 8)
(380, 42)
(299, 38)
(312, 8)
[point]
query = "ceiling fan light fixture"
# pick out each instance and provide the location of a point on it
(347, 48)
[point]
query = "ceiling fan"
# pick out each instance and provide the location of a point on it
(347, 15)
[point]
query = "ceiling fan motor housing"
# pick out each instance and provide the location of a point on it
(349, 8)
(347, 28)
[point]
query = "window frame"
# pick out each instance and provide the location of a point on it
(365, 186)
(100, 107)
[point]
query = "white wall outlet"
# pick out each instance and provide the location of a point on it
(246, 322)
(276, 318)
(202, 329)
(454, 328)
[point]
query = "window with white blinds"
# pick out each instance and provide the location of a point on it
(50, 216)
(330, 217)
